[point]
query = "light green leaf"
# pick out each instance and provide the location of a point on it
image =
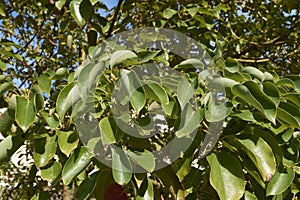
(280, 182)
(108, 129)
(145, 56)
(250, 196)
(44, 82)
(67, 141)
(86, 188)
(193, 11)
(168, 13)
(75, 12)
(184, 92)
(3, 66)
(143, 159)
(59, 4)
(190, 121)
(51, 172)
(254, 72)
(44, 150)
(25, 113)
(93, 2)
(156, 92)
(260, 153)
(120, 56)
(191, 63)
(77, 162)
(226, 176)
(9, 145)
(121, 167)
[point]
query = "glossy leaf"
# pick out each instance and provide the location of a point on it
(120, 56)
(87, 187)
(25, 113)
(75, 12)
(44, 82)
(226, 176)
(280, 182)
(261, 155)
(59, 4)
(77, 162)
(121, 167)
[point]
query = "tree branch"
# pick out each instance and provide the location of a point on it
(114, 19)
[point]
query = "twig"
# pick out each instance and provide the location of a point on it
(114, 19)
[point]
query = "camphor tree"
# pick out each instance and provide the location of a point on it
(86, 87)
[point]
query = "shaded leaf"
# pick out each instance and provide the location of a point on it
(77, 162)
(87, 187)
(51, 172)
(44, 150)
(67, 141)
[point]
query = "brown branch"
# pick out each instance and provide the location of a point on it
(252, 60)
(114, 19)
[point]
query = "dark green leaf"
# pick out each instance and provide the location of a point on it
(25, 113)
(77, 162)
(44, 150)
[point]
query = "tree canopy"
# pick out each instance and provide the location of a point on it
(169, 99)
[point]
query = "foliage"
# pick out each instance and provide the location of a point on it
(256, 156)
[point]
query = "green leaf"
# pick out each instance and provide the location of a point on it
(59, 4)
(260, 153)
(4, 87)
(143, 158)
(44, 82)
(3, 66)
(250, 196)
(215, 113)
(66, 98)
(41, 196)
(146, 191)
(145, 56)
(120, 56)
(108, 129)
(6, 122)
(156, 92)
(51, 118)
(86, 188)
(9, 145)
(289, 113)
(226, 176)
(67, 141)
(191, 63)
(184, 92)
(168, 13)
(190, 121)
(121, 167)
(254, 72)
(77, 162)
(272, 92)
(251, 93)
(232, 65)
(75, 12)
(25, 113)
(51, 172)
(280, 182)
(44, 150)
(37, 97)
